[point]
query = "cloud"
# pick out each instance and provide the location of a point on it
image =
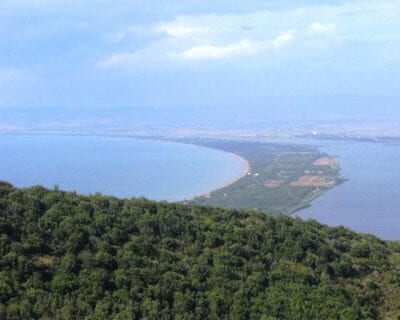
(161, 51)
(297, 31)
(211, 37)
(243, 47)
(319, 28)
(179, 31)
(283, 39)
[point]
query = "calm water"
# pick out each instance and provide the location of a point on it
(122, 167)
(370, 200)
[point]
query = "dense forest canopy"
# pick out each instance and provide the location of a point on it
(68, 256)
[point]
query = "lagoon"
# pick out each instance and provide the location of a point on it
(369, 201)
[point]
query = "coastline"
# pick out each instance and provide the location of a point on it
(269, 162)
(244, 172)
(245, 163)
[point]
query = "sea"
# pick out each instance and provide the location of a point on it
(123, 167)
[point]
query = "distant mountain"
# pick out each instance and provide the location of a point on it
(67, 256)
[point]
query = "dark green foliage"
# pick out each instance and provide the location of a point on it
(66, 256)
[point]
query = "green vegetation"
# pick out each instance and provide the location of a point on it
(283, 178)
(67, 256)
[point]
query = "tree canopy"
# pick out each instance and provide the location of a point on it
(68, 256)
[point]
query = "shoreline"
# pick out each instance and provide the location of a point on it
(205, 194)
(240, 176)
(242, 160)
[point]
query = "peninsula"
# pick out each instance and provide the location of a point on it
(281, 178)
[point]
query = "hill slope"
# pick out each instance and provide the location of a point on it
(66, 256)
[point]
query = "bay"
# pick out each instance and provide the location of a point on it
(123, 167)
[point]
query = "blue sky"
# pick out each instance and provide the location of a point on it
(199, 54)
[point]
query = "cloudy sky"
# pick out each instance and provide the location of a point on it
(155, 53)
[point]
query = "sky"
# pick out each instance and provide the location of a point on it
(199, 55)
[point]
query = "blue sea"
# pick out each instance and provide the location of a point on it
(123, 167)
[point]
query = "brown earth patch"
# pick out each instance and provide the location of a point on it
(310, 181)
(274, 183)
(324, 161)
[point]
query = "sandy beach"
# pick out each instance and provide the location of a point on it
(245, 171)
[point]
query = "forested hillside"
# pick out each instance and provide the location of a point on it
(67, 256)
